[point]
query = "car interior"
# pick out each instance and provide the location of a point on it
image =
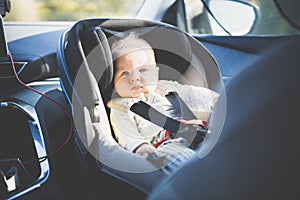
(256, 154)
(54, 87)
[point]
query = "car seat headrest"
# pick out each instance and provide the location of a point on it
(87, 44)
(171, 46)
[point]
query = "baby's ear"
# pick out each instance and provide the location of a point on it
(157, 68)
(157, 71)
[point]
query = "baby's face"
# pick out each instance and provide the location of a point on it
(136, 73)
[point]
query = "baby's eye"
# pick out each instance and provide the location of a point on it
(142, 70)
(125, 73)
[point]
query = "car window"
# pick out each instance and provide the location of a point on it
(235, 17)
(70, 10)
(268, 18)
(194, 11)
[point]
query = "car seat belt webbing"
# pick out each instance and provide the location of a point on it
(180, 106)
(147, 112)
(194, 134)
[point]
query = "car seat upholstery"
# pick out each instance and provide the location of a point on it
(257, 154)
(86, 69)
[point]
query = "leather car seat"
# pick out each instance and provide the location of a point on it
(257, 154)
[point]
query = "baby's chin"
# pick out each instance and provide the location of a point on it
(140, 93)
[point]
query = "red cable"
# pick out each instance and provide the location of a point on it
(167, 133)
(50, 99)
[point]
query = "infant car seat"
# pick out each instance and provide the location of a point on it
(86, 69)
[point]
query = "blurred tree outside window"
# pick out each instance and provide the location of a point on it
(70, 10)
(269, 20)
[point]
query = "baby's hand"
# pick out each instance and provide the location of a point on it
(145, 149)
(194, 122)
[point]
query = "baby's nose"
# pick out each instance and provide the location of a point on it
(135, 77)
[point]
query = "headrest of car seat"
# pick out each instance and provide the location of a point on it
(176, 52)
(173, 58)
(171, 45)
(87, 43)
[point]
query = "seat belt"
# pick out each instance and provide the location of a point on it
(194, 134)
(180, 106)
(151, 114)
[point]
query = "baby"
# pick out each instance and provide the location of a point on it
(136, 78)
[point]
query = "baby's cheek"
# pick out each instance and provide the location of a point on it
(151, 88)
(122, 91)
(145, 90)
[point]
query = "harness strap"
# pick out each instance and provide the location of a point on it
(180, 106)
(194, 134)
(151, 114)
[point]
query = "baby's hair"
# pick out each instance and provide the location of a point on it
(129, 44)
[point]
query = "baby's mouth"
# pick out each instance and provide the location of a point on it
(140, 88)
(137, 87)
